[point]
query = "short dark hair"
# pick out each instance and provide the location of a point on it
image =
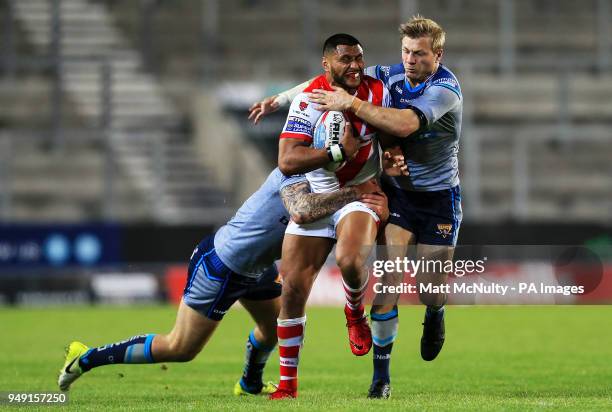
(339, 39)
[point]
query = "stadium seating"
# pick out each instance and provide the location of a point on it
(147, 135)
(559, 90)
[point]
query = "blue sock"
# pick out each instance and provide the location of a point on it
(384, 331)
(136, 349)
(255, 361)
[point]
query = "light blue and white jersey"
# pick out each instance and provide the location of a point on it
(251, 241)
(430, 152)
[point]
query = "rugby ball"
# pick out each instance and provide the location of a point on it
(328, 131)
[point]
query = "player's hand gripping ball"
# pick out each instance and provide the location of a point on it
(328, 131)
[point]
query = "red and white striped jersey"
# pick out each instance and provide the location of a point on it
(301, 122)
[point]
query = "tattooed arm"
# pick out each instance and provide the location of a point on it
(306, 207)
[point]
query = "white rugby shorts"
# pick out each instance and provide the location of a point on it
(326, 227)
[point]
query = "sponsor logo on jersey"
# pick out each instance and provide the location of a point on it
(298, 125)
(385, 70)
(395, 214)
(303, 106)
(398, 89)
(446, 81)
(444, 229)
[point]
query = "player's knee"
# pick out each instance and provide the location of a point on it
(350, 263)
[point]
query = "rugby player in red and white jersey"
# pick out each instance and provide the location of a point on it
(425, 208)
(354, 227)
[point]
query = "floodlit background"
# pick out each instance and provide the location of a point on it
(124, 138)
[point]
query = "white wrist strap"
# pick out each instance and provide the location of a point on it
(282, 99)
(285, 98)
(336, 153)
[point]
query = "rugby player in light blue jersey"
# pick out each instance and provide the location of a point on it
(236, 263)
(425, 206)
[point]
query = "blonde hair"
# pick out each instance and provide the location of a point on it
(418, 26)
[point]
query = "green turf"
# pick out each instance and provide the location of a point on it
(495, 358)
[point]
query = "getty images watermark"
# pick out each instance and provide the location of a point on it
(491, 275)
(428, 265)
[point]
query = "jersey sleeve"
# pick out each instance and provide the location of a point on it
(387, 74)
(301, 120)
(386, 100)
(378, 72)
(286, 97)
(435, 102)
(372, 72)
(291, 180)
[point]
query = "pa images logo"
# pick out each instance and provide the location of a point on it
(445, 229)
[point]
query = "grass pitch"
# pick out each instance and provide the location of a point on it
(495, 358)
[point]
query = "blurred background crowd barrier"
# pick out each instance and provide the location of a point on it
(124, 138)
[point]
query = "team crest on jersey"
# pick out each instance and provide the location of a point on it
(303, 106)
(445, 229)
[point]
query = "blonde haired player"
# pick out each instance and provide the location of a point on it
(425, 206)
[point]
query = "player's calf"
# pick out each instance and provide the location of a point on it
(294, 297)
(169, 348)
